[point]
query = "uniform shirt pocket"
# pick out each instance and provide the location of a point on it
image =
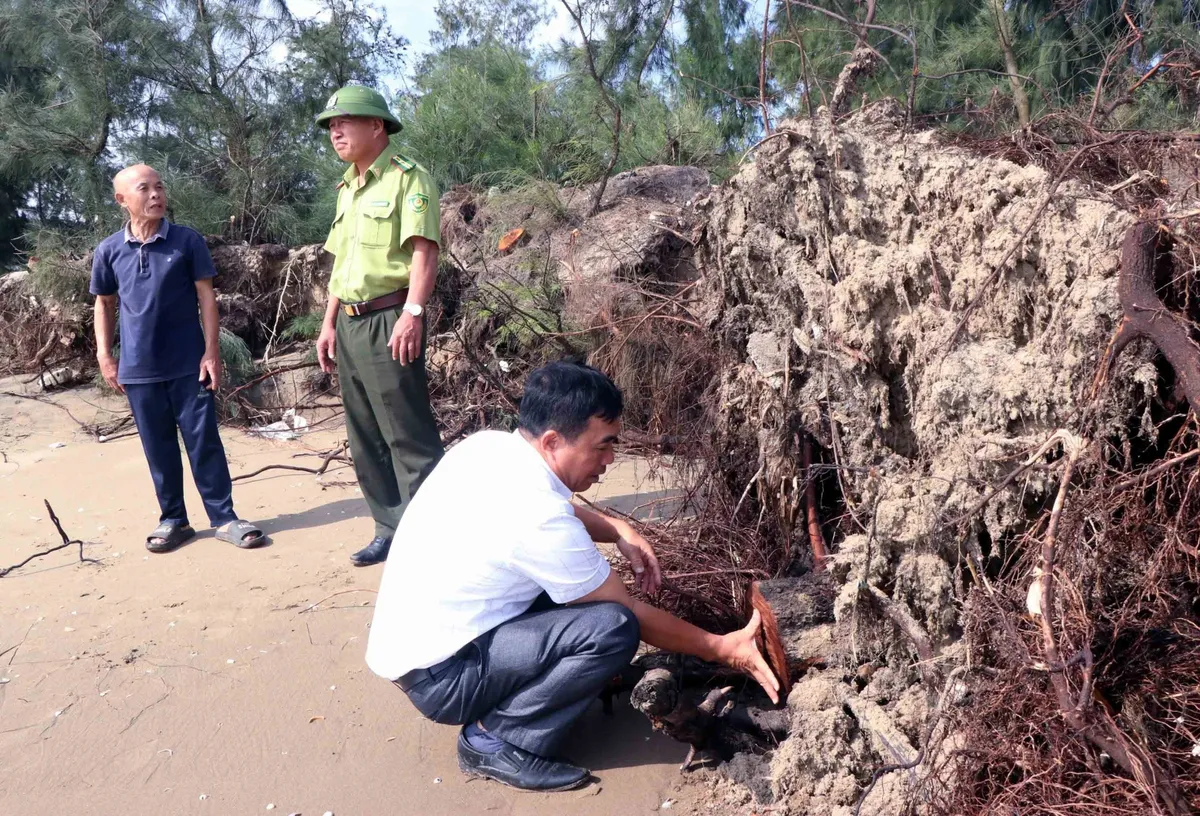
(378, 222)
(333, 242)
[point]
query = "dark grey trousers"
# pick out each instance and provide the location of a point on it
(394, 438)
(531, 677)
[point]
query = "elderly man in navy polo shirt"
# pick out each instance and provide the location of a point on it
(170, 365)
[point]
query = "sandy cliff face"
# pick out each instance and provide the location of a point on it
(842, 261)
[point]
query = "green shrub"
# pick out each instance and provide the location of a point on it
(303, 327)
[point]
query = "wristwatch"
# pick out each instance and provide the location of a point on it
(413, 309)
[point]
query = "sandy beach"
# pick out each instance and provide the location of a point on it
(205, 681)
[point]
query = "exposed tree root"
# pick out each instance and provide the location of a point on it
(1077, 709)
(1146, 315)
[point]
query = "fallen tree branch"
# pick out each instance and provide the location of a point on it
(271, 373)
(45, 401)
(311, 607)
(66, 542)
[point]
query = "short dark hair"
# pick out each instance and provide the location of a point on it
(563, 396)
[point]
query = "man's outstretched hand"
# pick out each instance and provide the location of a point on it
(647, 575)
(739, 650)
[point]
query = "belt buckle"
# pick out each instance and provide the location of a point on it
(351, 309)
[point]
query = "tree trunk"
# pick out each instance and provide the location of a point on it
(1004, 33)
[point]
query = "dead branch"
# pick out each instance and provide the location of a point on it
(332, 455)
(43, 353)
(66, 542)
(1161, 467)
(776, 135)
(45, 401)
(271, 373)
(311, 607)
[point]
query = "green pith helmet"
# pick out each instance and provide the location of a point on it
(356, 100)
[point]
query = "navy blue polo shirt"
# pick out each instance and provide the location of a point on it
(160, 333)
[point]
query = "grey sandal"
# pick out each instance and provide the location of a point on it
(236, 532)
(168, 535)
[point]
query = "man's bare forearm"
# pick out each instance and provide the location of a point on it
(660, 628)
(210, 317)
(105, 320)
(423, 274)
(331, 310)
(664, 631)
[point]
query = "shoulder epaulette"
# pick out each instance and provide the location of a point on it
(403, 163)
(340, 184)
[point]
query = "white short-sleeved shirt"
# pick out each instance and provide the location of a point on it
(489, 530)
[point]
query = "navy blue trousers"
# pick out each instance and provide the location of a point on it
(184, 406)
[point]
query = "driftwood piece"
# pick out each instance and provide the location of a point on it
(704, 720)
(1146, 315)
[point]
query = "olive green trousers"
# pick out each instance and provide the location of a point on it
(394, 438)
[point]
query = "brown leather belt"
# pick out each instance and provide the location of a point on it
(380, 303)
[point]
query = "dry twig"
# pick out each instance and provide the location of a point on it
(66, 542)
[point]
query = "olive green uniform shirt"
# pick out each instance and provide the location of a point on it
(375, 219)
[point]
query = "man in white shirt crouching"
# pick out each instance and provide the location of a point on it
(492, 531)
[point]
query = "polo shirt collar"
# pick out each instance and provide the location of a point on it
(377, 167)
(161, 235)
(556, 484)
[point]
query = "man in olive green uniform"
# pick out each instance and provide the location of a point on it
(384, 240)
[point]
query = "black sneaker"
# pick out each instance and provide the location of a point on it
(517, 768)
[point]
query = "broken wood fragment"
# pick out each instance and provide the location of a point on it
(769, 640)
(511, 239)
(705, 726)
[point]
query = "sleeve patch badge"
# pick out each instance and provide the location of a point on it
(418, 203)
